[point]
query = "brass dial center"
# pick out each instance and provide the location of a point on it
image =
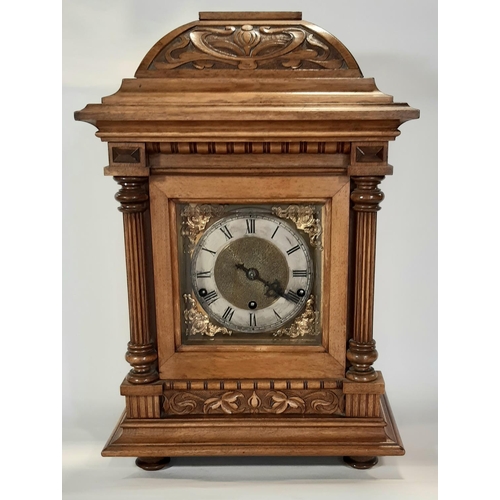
(251, 270)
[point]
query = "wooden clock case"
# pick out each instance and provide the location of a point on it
(250, 108)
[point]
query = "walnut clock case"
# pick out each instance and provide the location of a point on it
(249, 150)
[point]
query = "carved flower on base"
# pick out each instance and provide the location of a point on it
(228, 402)
(254, 403)
(280, 402)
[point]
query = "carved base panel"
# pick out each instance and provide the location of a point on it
(257, 436)
(240, 402)
(180, 398)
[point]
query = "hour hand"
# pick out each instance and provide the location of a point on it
(242, 267)
(274, 289)
(252, 273)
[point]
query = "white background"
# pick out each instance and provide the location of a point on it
(393, 41)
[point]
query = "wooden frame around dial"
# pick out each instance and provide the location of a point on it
(191, 362)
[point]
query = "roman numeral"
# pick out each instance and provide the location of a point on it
(299, 273)
(277, 315)
(209, 251)
(250, 226)
(292, 297)
(293, 249)
(211, 297)
(253, 320)
(226, 232)
(203, 274)
(228, 314)
(275, 231)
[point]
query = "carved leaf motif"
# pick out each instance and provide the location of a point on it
(202, 402)
(254, 402)
(324, 402)
(228, 402)
(280, 402)
(247, 38)
(249, 47)
(182, 403)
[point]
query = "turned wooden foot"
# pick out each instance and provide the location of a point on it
(361, 462)
(152, 463)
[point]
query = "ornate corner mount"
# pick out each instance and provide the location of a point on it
(199, 323)
(194, 220)
(306, 324)
(305, 218)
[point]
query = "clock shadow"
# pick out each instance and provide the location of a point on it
(267, 469)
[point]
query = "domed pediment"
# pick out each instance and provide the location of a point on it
(242, 73)
(228, 41)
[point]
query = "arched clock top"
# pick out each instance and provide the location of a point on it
(243, 81)
(236, 42)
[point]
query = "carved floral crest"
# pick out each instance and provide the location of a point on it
(249, 47)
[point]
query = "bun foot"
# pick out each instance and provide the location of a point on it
(152, 463)
(361, 462)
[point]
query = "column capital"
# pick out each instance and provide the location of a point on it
(133, 194)
(367, 196)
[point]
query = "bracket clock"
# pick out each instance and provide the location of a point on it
(249, 151)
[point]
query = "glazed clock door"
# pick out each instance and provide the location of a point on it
(252, 281)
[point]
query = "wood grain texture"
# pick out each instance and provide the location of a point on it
(254, 401)
(255, 435)
(246, 44)
(248, 164)
(255, 361)
(244, 148)
(141, 353)
(323, 97)
(256, 384)
(143, 406)
(362, 405)
(197, 126)
(366, 198)
(249, 16)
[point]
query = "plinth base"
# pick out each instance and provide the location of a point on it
(257, 436)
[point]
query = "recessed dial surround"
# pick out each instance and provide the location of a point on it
(252, 273)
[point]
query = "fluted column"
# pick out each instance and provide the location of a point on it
(141, 353)
(366, 197)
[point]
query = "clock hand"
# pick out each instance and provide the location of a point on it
(253, 274)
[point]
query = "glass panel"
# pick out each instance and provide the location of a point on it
(250, 274)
